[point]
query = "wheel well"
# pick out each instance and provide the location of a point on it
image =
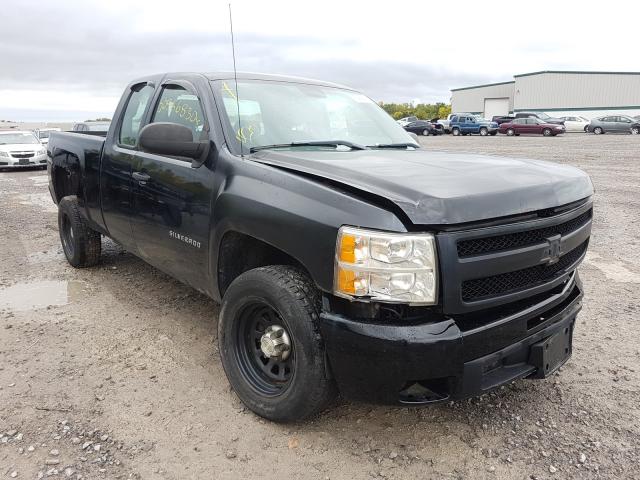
(240, 253)
(65, 183)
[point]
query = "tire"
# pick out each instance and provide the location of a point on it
(279, 389)
(586, 129)
(425, 132)
(483, 132)
(510, 132)
(80, 243)
(635, 130)
(598, 131)
(455, 132)
(546, 132)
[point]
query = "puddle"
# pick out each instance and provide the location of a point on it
(25, 296)
(612, 269)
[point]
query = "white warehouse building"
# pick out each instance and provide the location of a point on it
(557, 93)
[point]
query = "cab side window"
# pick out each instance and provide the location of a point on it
(132, 118)
(177, 105)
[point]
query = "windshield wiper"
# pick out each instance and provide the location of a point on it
(320, 143)
(394, 145)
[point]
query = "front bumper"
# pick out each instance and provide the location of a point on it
(420, 364)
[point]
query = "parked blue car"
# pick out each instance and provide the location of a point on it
(469, 124)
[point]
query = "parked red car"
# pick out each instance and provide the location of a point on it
(531, 126)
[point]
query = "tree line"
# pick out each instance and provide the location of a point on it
(424, 111)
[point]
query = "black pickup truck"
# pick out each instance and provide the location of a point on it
(346, 258)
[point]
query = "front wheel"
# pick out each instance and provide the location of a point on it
(270, 346)
(81, 244)
(455, 132)
(511, 132)
(635, 130)
(546, 132)
(484, 132)
(425, 132)
(598, 131)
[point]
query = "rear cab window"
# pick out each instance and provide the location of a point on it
(133, 114)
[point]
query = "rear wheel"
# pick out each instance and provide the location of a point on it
(81, 244)
(455, 132)
(546, 132)
(511, 132)
(484, 131)
(425, 132)
(598, 131)
(270, 346)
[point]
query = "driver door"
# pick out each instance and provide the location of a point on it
(171, 200)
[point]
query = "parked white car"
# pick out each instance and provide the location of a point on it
(575, 124)
(43, 134)
(19, 149)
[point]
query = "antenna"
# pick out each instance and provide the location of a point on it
(235, 78)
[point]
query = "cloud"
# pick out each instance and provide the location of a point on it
(81, 54)
(93, 53)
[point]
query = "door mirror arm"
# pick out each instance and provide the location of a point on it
(198, 162)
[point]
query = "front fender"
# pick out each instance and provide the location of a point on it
(296, 214)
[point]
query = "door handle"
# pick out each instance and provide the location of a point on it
(141, 177)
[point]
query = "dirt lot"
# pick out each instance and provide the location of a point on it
(113, 372)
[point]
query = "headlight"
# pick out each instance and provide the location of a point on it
(4, 154)
(386, 267)
(42, 151)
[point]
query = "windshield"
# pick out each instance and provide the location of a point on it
(543, 115)
(23, 138)
(280, 113)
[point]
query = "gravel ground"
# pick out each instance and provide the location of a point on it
(113, 372)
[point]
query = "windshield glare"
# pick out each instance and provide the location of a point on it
(274, 113)
(18, 138)
(543, 115)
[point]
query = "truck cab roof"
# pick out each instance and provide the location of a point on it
(212, 76)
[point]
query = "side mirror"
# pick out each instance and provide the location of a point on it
(172, 140)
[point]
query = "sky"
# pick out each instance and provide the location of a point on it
(70, 60)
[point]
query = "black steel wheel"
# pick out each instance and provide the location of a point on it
(269, 374)
(270, 346)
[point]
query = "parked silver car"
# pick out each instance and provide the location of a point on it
(19, 149)
(614, 124)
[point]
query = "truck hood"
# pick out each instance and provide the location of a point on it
(442, 188)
